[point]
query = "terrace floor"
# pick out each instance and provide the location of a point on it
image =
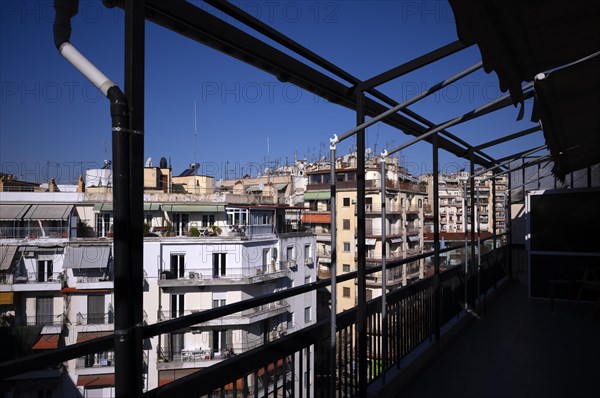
(519, 348)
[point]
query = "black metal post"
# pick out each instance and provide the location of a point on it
(128, 152)
(507, 222)
(472, 214)
(436, 240)
(361, 252)
(333, 273)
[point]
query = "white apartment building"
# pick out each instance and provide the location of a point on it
(56, 281)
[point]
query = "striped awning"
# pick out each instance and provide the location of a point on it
(48, 212)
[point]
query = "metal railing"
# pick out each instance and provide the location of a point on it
(204, 274)
(33, 232)
(280, 365)
(95, 319)
(34, 277)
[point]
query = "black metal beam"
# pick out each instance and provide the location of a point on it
(199, 25)
(508, 138)
(411, 65)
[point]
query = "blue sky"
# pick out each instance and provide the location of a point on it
(55, 124)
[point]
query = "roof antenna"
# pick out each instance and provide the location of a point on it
(195, 136)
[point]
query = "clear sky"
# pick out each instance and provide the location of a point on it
(54, 123)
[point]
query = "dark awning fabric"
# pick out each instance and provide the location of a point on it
(99, 207)
(13, 212)
(48, 212)
(97, 380)
(7, 255)
(519, 39)
(569, 110)
(86, 257)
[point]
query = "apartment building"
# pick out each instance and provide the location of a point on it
(405, 199)
(200, 252)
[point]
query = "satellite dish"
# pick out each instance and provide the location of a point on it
(301, 166)
(148, 162)
(219, 183)
(261, 187)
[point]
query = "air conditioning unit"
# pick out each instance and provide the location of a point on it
(308, 261)
(291, 263)
(193, 275)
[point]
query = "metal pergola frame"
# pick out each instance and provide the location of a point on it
(199, 25)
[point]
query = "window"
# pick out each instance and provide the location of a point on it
(44, 311)
(290, 320)
(307, 314)
(346, 292)
(346, 223)
(180, 223)
(219, 264)
(346, 202)
(176, 341)
(307, 255)
(208, 220)
(289, 253)
(346, 247)
(177, 304)
(103, 224)
(266, 260)
(420, 202)
(44, 273)
(346, 267)
(95, 309)
(221, 340)
(219, 303)
(178, 265)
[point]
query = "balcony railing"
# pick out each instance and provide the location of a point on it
(252, 312)
(208, 274)
(34, 277)
(45, 320)
(95, 319)
(413, 318)
(33, 232)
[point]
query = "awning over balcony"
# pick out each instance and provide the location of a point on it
(46, 342)
(151, 206)
(86, 336)
(7, 298)
(316, 218)
(98, 380)
(12, 212)
(98, 207)
(48, 212)
(194, 208)
(370, 242)
(396, 240)
(413, 238)
(7, 255)
(324, 195)
(86, 257)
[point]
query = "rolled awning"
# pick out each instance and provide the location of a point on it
(13, 212)
(7, 254)
(48, 212)
(86, 257)
(194, 208)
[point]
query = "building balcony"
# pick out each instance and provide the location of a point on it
(246, 317)
(33, 282)
(232, 276)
